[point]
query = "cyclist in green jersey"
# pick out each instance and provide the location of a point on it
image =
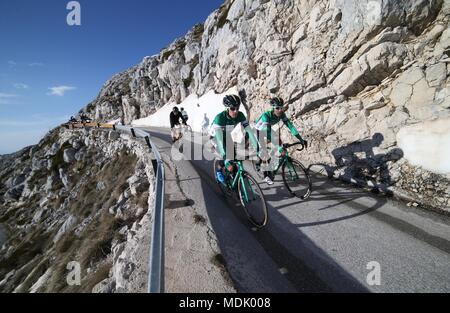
(222, 126)
(264, 126)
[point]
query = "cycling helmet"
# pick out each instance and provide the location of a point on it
(276, 102)
(175, 109)
(231, 101)
(181, 109)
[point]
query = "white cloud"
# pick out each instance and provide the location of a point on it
(12, 63)
(36, 64)
(7, 95)
(5, 98)
(60, 90)
(21, 86)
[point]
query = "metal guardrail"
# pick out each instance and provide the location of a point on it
(156, 262)
(156, 269)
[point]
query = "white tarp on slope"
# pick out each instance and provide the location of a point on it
(427, 145)
(209, 104)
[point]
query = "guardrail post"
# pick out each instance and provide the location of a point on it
(155, 165)
(147, 140)
(132, 132)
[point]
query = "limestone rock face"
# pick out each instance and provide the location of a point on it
(69, 155)
(54, 206)
(348, 69)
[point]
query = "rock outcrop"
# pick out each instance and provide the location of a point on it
(349, 69)
(77, 196)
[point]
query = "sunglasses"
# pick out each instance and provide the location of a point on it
(234, 109)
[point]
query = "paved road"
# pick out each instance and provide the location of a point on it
(323, 244)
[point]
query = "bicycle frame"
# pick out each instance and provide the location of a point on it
(281, 161)
(285, 159)
(240, 177)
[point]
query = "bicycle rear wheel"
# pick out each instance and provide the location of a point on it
(296, 179)
(252, 200)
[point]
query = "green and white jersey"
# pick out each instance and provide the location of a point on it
(269, 119)
(225, 121)
(224, 124)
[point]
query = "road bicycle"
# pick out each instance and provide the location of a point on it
(295, 175)
(246, 187)
(186, 129)
(179, 131)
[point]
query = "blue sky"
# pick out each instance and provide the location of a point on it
(50, 70)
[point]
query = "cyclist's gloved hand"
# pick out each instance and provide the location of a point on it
(303, 142)
(264, 155)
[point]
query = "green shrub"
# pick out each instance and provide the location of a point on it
(166, 54)
(194, 61)
(223, 14)
(187, 82)
(198, 32)
(58, 158)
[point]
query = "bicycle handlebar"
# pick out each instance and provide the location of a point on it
(288, 145)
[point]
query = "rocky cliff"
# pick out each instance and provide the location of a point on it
(78, 196)
(355, 73)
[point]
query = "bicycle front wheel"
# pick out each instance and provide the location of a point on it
(252, 200)
(296, 179)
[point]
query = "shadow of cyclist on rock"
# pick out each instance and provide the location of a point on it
(358, 162)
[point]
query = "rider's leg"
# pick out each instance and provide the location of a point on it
(221, 164)
(229, 166)
(268, 172)
(226, 167)
(220, 176)
(268, 177)
(177, 132)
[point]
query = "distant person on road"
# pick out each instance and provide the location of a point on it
(205, 124)
(175, 117)
(185, 115)
(73, 120)
(84, 118)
